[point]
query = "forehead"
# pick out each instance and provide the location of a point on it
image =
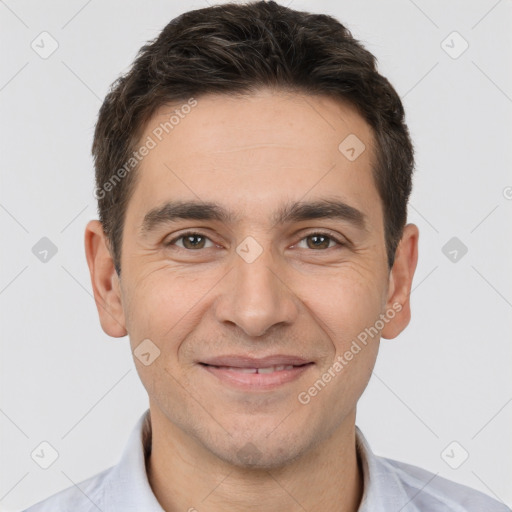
(248, 152)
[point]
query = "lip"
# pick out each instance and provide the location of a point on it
(255, 362)
(233, 371)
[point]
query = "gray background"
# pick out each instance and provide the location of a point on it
(446, 378)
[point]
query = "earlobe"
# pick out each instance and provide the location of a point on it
(105, 282)
(400, 282)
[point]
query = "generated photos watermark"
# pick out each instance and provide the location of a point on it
(341, 361)
(150, 143)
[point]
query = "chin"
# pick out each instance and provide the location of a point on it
(261, 453)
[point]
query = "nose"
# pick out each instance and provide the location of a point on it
(255, 297)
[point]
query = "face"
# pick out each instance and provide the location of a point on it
(252, 299)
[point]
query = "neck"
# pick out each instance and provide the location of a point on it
(185, 476)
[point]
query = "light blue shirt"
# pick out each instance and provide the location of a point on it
(389, 485)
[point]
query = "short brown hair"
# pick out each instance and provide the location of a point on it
(237, 49)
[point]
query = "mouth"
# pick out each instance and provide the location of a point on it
(268, 369)
(262, 374)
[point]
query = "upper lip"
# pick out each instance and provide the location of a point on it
(250, 362)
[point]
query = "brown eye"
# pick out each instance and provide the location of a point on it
(191, 241)
(319, 241)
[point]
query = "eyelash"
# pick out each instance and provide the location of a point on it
(318, 233)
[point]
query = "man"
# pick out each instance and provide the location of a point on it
(253, 170)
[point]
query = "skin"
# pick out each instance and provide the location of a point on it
(251, 155)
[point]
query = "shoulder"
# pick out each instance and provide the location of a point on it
(86, 496)
(430, 492)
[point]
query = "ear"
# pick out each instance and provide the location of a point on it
(105, 281)
(400, 282)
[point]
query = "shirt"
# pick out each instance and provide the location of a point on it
(388, 485)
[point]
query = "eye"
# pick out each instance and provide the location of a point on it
(191, 241)
(319, 240)
(195, 241)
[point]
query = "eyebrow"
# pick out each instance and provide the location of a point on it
(292, 212)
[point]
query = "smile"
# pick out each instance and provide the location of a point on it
(268, 369)
(256, 378)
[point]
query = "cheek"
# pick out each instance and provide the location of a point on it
(162, 308)
(163, 305)
(347, 303)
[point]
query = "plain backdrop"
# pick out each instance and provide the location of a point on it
(446, 379)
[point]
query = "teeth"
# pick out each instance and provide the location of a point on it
(269, 369)
(240, 370)
(272, 369)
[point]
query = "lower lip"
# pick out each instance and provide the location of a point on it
(257, 381)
